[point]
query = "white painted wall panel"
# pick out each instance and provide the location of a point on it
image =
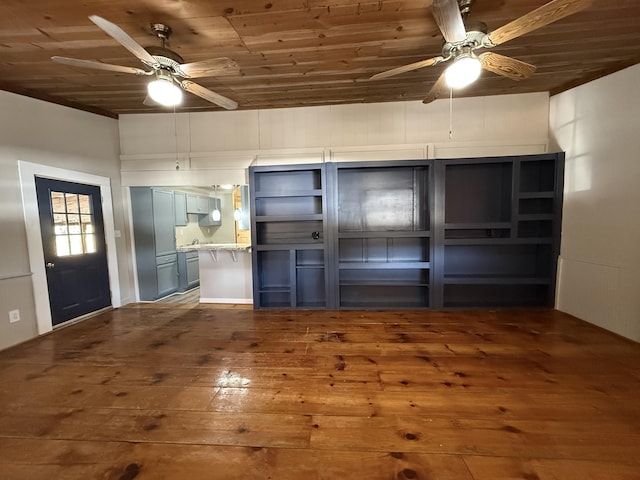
(597, 124)
(500, 125)
(223, 131)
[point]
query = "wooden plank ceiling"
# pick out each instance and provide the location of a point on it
(295, 52)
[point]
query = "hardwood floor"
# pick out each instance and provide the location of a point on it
(171, 391)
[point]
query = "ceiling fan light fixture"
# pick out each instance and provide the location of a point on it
(464, 71)
(164, 91)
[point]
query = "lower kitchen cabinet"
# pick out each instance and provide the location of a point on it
(188, 270)
(166, 274)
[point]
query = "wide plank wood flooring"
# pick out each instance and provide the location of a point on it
(166, 391)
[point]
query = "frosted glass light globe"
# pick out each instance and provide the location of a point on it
(464, 71)
(165, 92)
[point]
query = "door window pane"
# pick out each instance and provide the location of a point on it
(57, 202)
(72, 202)
(62, 245)
(73, 224)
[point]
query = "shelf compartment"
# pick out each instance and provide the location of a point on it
(535, 206)
(290, 193)
(310, 288)
(383, 199)
(477, 233)
(496, 295)
(384, 296)
(535, 228)
(381, 250)
(272, 276)
(275, 299)
(288, 218)
(380, 234)
(277, 206)
(391, 277)
(289, 232)
(477, 193)
(537, 175)
(519, 260)
(287, 182)
(494, 280)
(309, 258)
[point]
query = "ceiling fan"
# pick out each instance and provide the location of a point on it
(461, 44)
(165, 65)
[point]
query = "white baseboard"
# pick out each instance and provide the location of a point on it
(244, 301)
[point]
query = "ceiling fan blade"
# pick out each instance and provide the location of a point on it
(439, 88)
(208, 95)
(506, 66)
(208, 68)
(74, 62)
(449, 20)
(124, 39)
(546, 14)
(407, 68)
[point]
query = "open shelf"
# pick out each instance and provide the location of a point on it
(477, 192)
(518, 260)
(383, 199)
(384, 296)
(289, 232)
(394, 250)
(537, 175)
(278, 206)
(499, 295)
(282, 182)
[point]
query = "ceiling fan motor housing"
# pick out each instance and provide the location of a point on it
(168, 59)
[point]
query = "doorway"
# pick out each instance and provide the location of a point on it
(74, 248)
(28, 173)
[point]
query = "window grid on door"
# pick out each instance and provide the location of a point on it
(73, 222)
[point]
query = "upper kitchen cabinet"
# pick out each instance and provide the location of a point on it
(198, 204)
(213, 216)
(180, 204)
(153, 215)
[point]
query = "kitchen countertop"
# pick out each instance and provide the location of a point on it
(215, 246)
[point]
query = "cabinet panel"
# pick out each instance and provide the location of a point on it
(163, 222)
(180, 206)
(193, 272)
(167, 278)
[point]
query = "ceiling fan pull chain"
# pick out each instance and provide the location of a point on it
(450, 113)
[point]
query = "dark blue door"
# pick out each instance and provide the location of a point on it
(74, 248)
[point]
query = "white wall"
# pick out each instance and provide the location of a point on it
(598, 125)
(217, 147)
(55, 136)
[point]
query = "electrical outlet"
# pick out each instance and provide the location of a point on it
(14, 316)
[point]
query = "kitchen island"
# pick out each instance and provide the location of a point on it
(225, 272)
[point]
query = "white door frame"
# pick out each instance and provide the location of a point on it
(28, 171)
